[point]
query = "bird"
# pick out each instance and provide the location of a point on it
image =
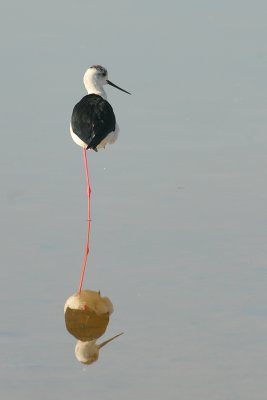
(93, 126)
(93, 122)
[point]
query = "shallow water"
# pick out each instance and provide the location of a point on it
(178, 204)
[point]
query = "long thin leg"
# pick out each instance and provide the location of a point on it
(86, 250)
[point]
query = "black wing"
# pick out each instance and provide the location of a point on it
(92, 120)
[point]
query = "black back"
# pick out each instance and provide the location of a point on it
(92, 120)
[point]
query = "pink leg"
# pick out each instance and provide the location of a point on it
(86, 250)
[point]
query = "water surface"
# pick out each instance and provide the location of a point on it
(178, 204)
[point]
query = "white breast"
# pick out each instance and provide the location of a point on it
(109, 139)
(76, 139)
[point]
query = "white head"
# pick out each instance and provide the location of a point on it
(95, 78)
(88, 352)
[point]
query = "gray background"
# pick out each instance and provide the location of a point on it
(178, 204)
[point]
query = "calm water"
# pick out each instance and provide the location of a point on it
(178, 204)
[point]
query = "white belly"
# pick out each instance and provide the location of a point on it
(76, 139)
(109, 139)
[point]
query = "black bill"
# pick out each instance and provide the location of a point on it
(112, 84)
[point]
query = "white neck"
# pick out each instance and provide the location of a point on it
(93, 83)
(96, 90)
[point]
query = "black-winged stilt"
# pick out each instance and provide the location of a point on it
(93, 122)
(93, 126)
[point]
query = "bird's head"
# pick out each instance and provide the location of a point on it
(88, 352)
(95, 78)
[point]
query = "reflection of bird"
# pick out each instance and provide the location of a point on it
(86, 325)
(87, 317)
(88, 352)
(93, 123)
(89, 300)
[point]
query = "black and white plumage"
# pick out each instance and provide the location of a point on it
(93, 122)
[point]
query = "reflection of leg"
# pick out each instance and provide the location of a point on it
(86, 250)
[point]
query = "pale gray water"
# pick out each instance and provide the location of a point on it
(178, 204)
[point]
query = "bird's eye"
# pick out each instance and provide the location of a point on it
(104, 73)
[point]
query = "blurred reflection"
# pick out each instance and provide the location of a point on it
(86, 318)
(88, 352)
